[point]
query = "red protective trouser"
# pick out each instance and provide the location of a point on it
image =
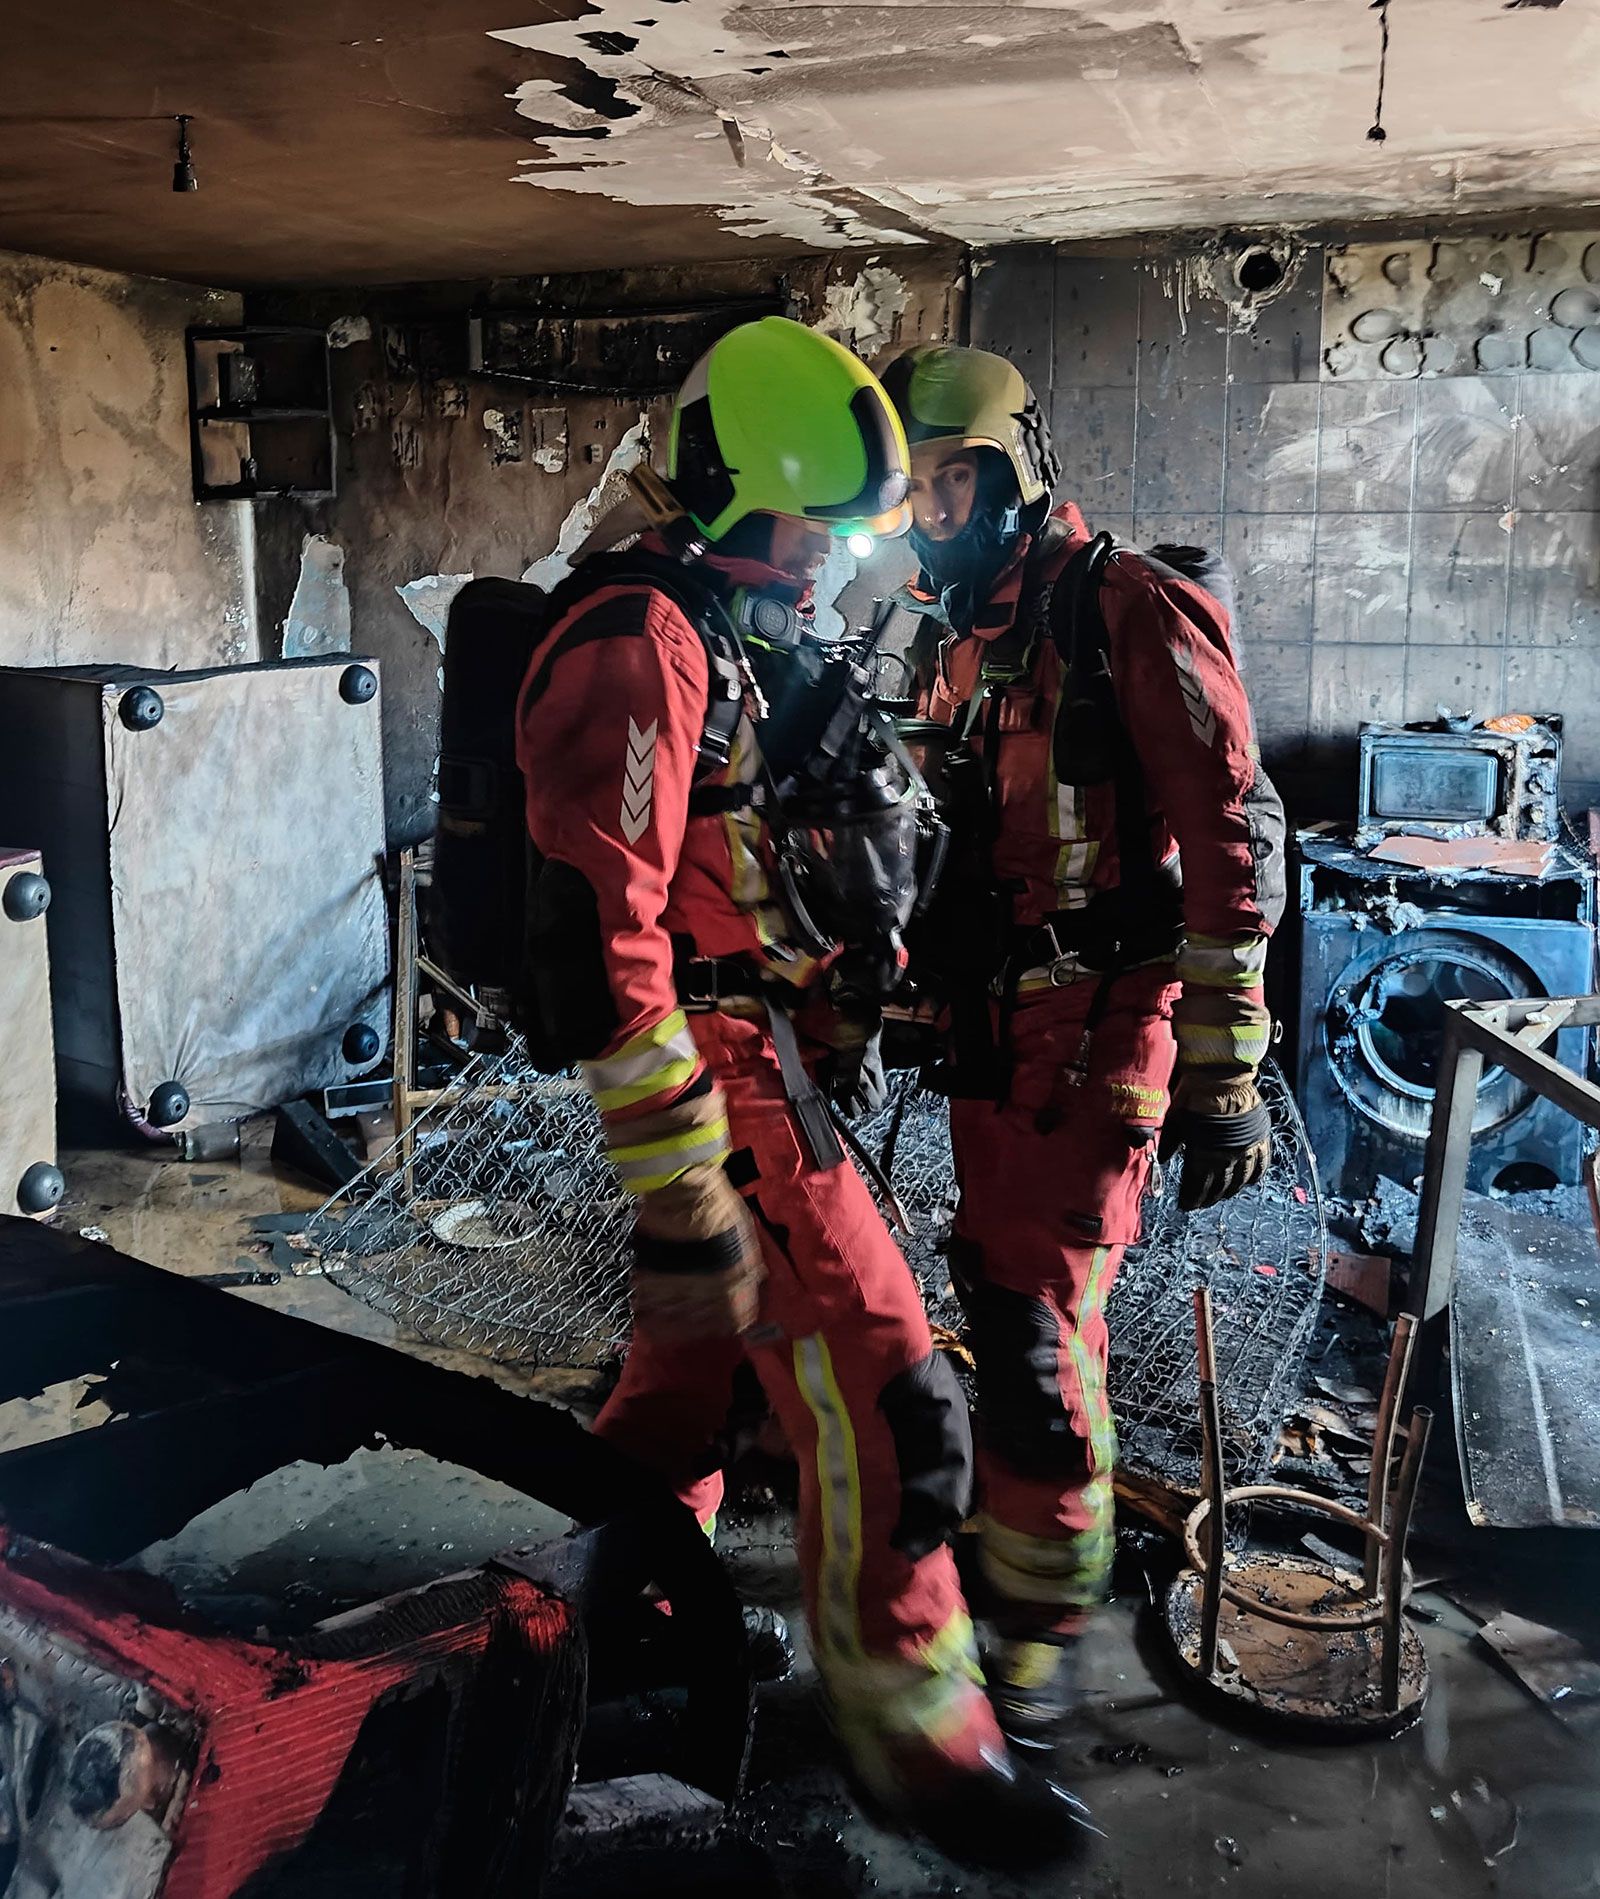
(874, 1416)
(1050, 1190)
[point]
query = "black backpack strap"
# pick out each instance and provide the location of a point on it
(699, 605)
(1083, 642)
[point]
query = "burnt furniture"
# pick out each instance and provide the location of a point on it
(29, 1180)
(422, 1745)
(218, 931)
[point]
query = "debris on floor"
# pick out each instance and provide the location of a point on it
(1553, 1667)
(1363, 1277)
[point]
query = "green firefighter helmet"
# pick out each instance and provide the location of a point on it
(776, 419)
(971, 398)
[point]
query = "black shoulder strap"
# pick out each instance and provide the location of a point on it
(700, 607)
(1083, 641)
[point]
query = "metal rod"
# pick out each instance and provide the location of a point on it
(1444, 1172)
(1213, 1483)
(1394, 1386)
(405, 1008)
(442, 980)
(1394, 1555)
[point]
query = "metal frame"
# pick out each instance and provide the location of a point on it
(1385, 1585)
(1513, 1035)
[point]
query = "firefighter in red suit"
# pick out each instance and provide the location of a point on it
(663, 942)
(1091, 699)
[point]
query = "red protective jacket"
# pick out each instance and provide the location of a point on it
(622, 709)
(1182, 701)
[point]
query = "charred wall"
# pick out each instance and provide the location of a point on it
(104, 554)
(446, 472)
(1397, 446)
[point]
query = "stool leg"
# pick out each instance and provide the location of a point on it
(1213, 1484)
(1394, 1384)
(1394, 1554)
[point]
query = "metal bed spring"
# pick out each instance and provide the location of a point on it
(507, 1235)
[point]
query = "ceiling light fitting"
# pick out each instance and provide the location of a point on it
(1375, 131)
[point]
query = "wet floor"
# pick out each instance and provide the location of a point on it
(201, 1218)
(1493, 1792)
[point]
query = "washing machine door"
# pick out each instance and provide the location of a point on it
(1385, 1027)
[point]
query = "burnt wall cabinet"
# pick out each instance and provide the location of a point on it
(260, 416)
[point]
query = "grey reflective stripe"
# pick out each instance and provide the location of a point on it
(669, 1040)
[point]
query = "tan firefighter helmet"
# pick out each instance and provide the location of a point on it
(972, 398)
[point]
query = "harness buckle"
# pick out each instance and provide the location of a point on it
(1065, 965)
(702, 978)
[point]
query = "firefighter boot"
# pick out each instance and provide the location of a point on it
(966, 1793)
(1033, 1687)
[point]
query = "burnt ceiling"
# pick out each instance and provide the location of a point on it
(350, 141)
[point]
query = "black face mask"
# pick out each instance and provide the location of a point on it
(965, 567)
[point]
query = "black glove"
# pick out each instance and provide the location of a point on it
(1225, 1132)
(853, 1078)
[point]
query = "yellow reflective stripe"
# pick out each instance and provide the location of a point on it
(653, 1164)
(1201, 1045)
(933, 1694)
(1069, 1571)
(659, 1058)
(1065, 814)
(1214, 962)
(1091, 1373)
(665, 1080)
(1026, 1664)
(839, 1487)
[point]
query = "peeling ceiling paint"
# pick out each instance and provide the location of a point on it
(984, 122)
(386, 141)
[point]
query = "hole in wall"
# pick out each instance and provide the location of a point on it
(1258, 270)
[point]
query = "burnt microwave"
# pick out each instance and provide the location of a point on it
(1494, 780)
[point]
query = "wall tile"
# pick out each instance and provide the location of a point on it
(1561, 679)
(1458, 578)
(1178, 449)
(1093, 434)
(1274, 569)
(1368, 444)
(1272, 447)
(1284, 344)
(1178, 530)
(1111, 522)
(1466, 442)
(1363, 567)
(1277, 676)
(1555, 583)
(1353, 685)
(1464, 678)
(1096, 321)
(1558, 443)
(1013, 309)
(1179, 340)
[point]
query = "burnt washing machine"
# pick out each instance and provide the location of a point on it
(1456, 884)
